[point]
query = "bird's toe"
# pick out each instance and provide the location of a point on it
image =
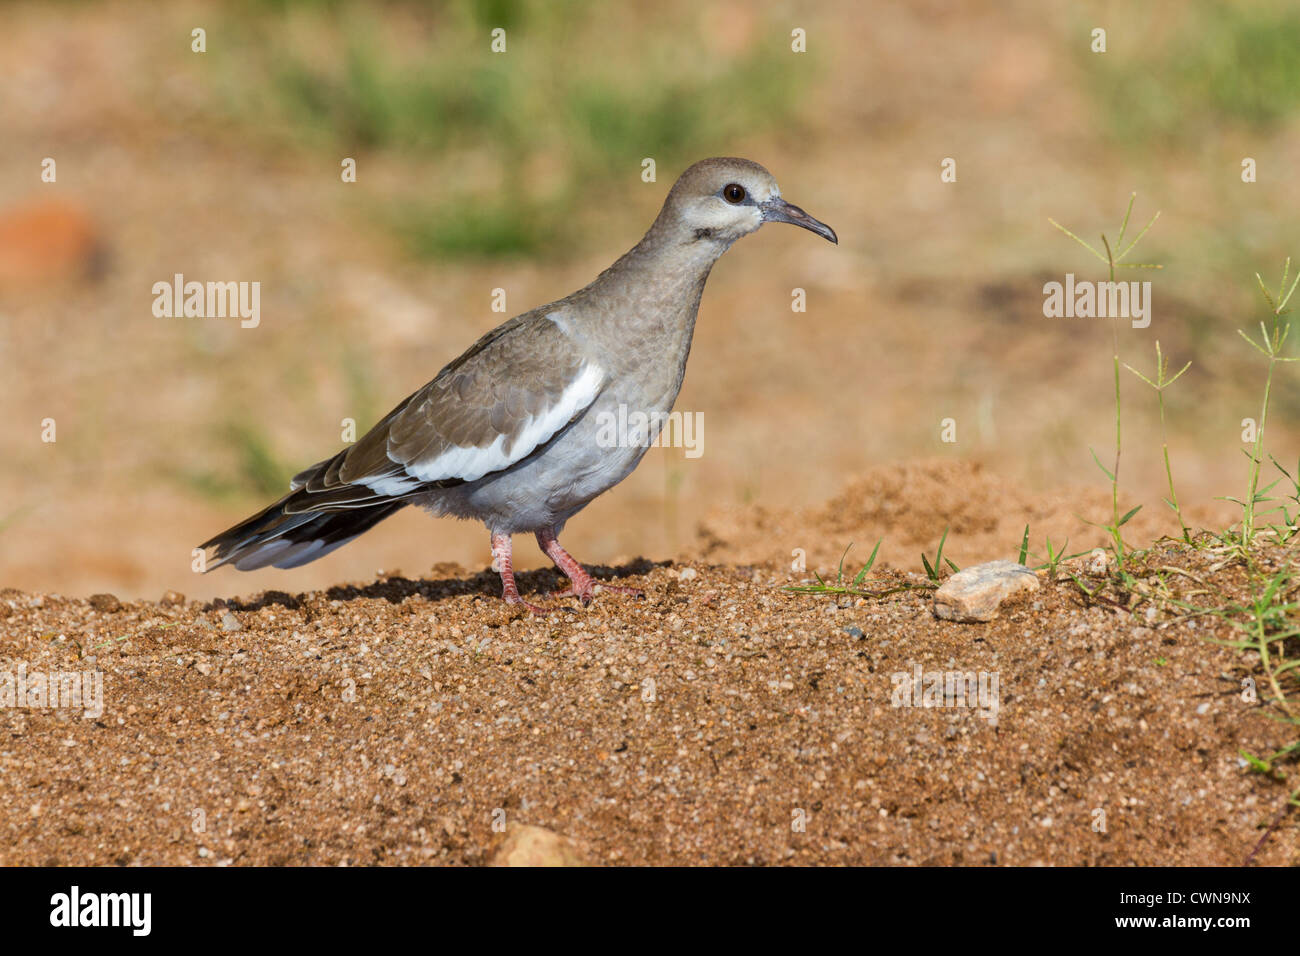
(585, 593)
(623, 589)
(537, 609)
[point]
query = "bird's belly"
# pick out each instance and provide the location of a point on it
(591, 456)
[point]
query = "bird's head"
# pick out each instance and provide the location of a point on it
(724, 199)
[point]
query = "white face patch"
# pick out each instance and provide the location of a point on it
(721, 218)
(708, 214)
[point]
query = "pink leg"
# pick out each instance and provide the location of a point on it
(502, 551)
(582, 585)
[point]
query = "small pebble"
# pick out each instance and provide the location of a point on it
(105, 602)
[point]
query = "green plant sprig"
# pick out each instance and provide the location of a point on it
(1163, 381)
(853, 587)
(1271, 347)
(1115, 261)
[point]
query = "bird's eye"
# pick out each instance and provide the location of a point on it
(733, 193)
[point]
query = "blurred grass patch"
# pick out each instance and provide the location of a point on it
(257, 472)
(582, 94)
(487, 227)
(362, 391)
(1221, 63)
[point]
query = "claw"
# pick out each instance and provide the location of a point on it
(536, 609)
(581, 584)
(595, 587)
(583, 594)
(622, 589)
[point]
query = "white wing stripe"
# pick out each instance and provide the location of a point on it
(472, 463)
(391, 486)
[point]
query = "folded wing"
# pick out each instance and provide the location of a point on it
(509, 395)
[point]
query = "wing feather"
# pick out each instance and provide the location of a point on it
(508, 395)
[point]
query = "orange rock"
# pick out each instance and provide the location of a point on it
(48, 239)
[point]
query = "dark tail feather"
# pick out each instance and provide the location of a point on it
(278, 538)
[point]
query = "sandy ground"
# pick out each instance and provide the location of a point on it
(721, 719)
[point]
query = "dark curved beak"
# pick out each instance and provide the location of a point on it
(778, 210)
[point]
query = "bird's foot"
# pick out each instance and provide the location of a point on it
(586, 590)
(583, 589)
(537, 609)
(621, 589)
(502, 554)
(581, 584)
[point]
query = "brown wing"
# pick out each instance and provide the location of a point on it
(510, 393)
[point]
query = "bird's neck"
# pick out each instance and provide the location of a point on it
(647, 301)
(658, 283)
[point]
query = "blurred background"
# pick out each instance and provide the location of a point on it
(522, 171)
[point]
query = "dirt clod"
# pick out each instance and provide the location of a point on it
(105, 602)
